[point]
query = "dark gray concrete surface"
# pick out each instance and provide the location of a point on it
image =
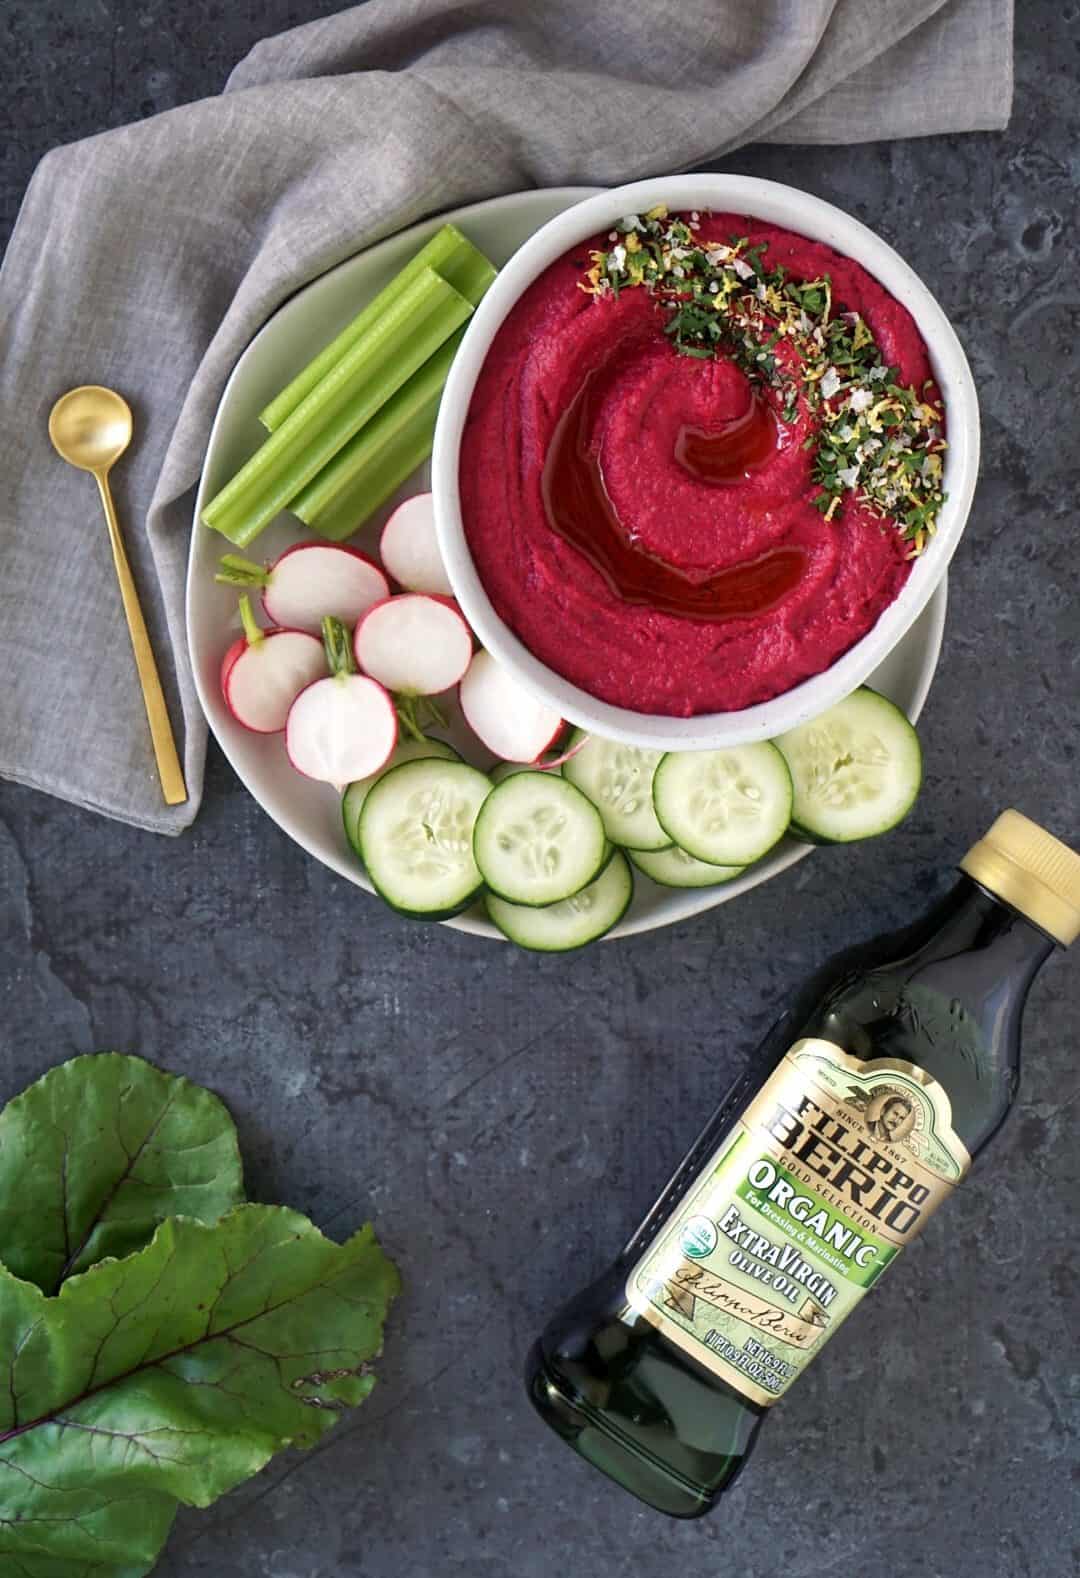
(505, 1119)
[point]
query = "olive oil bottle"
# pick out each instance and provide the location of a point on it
(860, 1114)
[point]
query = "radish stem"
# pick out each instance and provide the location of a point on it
(452, 256)
(338, 646)
(410, 710)
(407, 334)
(438, 716)
(235, 571)
(252, 631)
(406, 711)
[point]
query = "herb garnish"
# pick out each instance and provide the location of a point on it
(876, 436)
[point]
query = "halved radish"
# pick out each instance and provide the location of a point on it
(310, 580)
(554, 764)
(507, 718)
(409, 548)
(414, 644)
(344, 726)
(263, 672)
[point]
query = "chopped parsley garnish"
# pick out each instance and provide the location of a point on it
(876, 436)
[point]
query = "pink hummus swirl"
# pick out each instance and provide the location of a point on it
(793, 591)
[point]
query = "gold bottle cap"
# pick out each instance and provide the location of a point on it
(1030, 869)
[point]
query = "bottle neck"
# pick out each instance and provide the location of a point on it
(971, 919)
(975, 958)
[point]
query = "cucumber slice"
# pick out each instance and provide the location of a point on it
(674, 868)
(416, 836)
(618, 780)
(352, 801)
(538, 840)
(558, 928)
(857, 770)
(728, 807)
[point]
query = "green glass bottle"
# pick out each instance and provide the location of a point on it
(860, 1114)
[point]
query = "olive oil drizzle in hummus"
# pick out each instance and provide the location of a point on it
(874, 435)
(580, 510)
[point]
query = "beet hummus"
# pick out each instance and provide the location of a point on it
(700, 457)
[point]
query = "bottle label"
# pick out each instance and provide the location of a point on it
(833, 1167)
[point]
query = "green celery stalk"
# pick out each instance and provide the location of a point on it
(381, 457)
(414, 325)
(452, 256)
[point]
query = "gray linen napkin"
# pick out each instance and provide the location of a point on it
(146, 258)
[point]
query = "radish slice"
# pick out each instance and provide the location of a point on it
(310, 580)
(314, 579)
(409, 548)
(414, 644)
(503, 715)
(552, 764)
(263, 672)
(341, 728)
(344, 727)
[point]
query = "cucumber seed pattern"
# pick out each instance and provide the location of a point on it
(724, 793)
(840, 767)
(533, 841)
(434, 837)
(625, 782)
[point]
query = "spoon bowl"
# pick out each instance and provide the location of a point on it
(91, 427)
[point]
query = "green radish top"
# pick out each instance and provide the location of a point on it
(337, 646)
(234, 570)
(253, 631)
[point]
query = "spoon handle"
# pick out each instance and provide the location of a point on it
(168, 763)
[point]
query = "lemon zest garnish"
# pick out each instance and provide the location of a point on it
(873, 416)
(862, 335)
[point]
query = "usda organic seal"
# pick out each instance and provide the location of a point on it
(698, 1237)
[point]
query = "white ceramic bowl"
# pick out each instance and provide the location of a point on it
(809, 216)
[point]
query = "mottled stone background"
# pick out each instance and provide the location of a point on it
(506, 1118)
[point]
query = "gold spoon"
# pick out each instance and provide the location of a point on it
(90, 428)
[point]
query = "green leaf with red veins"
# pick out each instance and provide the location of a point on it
(97, 1153)
(173, 1375)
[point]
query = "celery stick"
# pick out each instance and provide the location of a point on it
(454, 259)
(378, 460)
(411, 329)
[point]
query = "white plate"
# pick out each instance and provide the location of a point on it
(310, 813)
